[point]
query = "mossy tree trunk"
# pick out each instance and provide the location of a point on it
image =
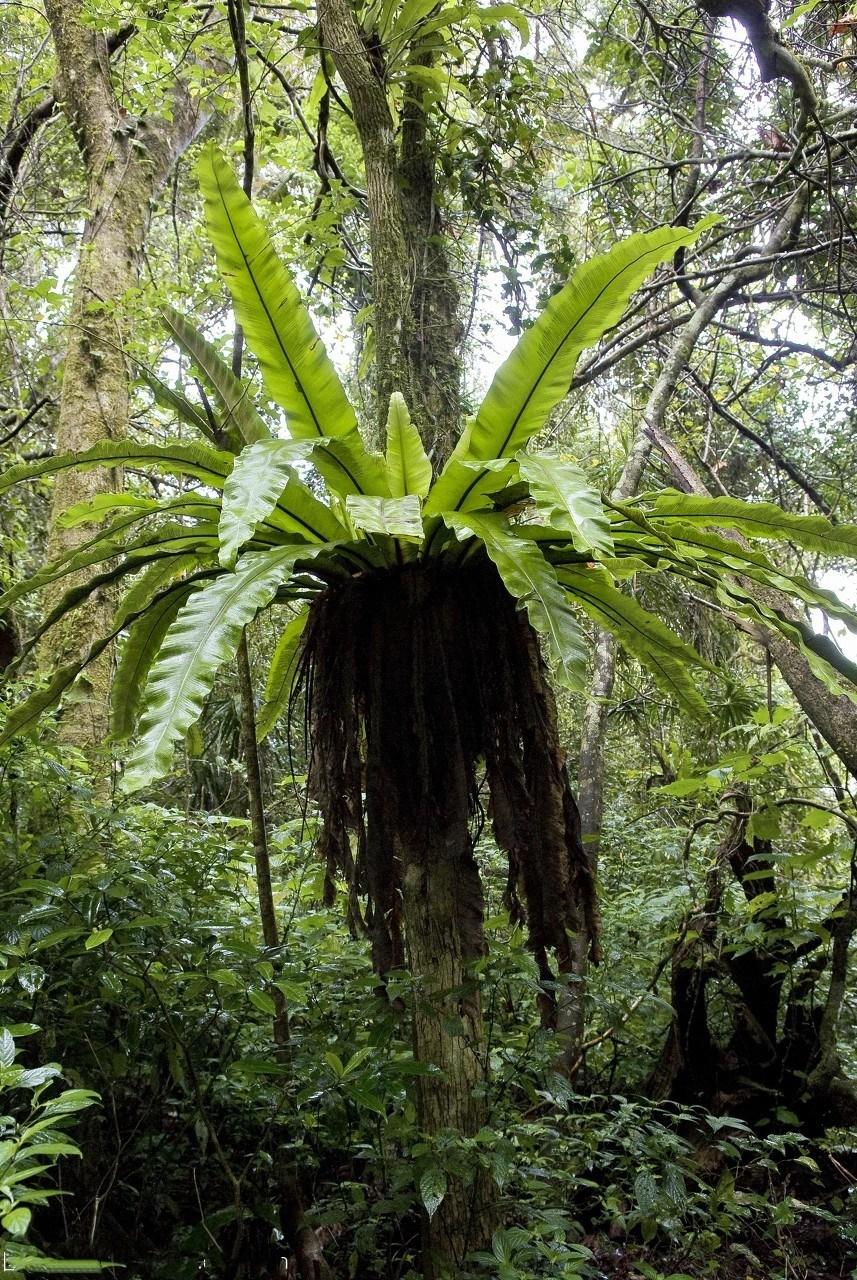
(417, 335)
(125, 160)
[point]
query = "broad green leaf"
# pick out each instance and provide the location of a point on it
(755, 519)
(396, 517)
(97, 939)
(408, 467)
(151, 581)
(204, 635)
(263, 475)
(718, 550)
(537, 374)
(826, 660)
(212, 466)
(349, 467)
(644, 636)
(139, 651)
(16, 1221)
(94, 511)
(234, 395)
(296, 368)
(532, 581)
(281, 675)
(567, 500)
(35, 1264)
(432, 1189)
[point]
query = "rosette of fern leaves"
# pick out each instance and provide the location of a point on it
(425, 616)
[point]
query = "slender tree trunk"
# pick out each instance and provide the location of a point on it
(417, 334)
(442, 910)
(126, 161)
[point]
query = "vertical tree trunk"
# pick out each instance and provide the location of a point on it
(442, 910)
(125, 161)
(416, 346)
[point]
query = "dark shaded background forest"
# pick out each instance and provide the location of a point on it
(197, 1051)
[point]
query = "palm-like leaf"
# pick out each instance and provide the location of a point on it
(251, 493)
(567, 501)
(755, 519)
(296, 368)
(642, 634)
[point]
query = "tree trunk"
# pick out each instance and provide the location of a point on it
(416, 352)
(442, 910)
(126, 161)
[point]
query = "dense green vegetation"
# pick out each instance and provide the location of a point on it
(428, 730)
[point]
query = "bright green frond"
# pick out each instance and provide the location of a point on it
(212, 466)
(567, 500)
(203, 636)
(95, 509)
(755, 519)
(264, 478)
(296, 368)
(396, 517)
(643, 635)
(281, 675)
(139, 651)
(234, 395)
(408, 466)
(537, 374)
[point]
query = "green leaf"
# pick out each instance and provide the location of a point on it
(139, 651)
(432, 1189)
(17, 1221)
(644, 636)
(563, 494)
(262, 477)
(334, 1061)
(537, 374)
(209, 465)
(408, 467)
(233, 394)
(396, 517)
(97, 939)
(296, 368)
(152, 581)
(204, 635)
(95, 509)
(37, 1265)
(281, 675)
(529, 577)
(755, 519)
(7, 1047)
(263, 1002)
(169, 398)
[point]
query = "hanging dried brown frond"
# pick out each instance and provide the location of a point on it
(415, 679)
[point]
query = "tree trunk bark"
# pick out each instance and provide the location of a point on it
(417, 334)
(442, 911)
(126, 161)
